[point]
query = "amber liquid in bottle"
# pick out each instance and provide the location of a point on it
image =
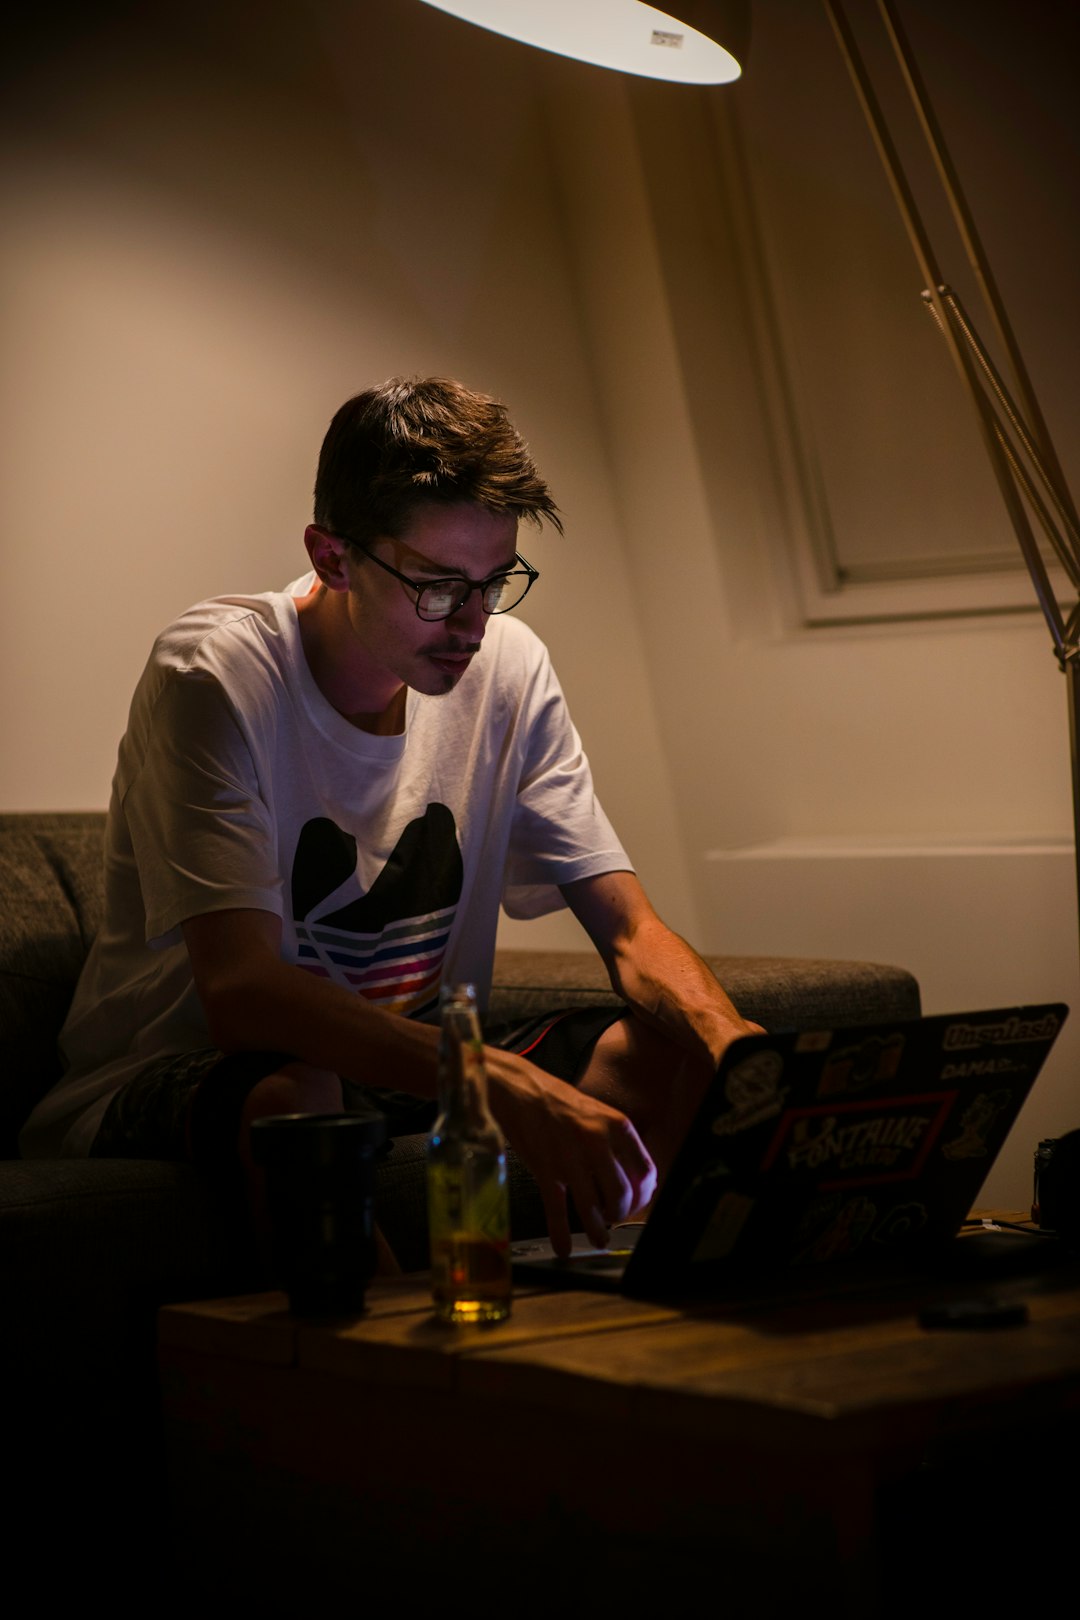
(468, 1201)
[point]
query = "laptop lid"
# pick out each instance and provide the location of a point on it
(826, 1145)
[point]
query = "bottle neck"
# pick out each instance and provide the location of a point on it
(462, 1074)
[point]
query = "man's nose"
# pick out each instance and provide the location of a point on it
(470, 617)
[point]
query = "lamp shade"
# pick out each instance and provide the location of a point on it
(704, 44)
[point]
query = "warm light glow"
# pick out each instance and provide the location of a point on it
(622, 34)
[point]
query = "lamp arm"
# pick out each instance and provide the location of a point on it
(1066, 546)
(1023, 479)
(969, 358)
(969, 236)
(1036, 567)
(1032, 555)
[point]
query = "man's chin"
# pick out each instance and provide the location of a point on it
(432, 682)
(448, 670)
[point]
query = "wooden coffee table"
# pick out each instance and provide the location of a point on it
(600, 1451)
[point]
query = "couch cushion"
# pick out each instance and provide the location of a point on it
(51, 890)
(778, 992)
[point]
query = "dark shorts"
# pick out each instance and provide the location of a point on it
(168, 1113)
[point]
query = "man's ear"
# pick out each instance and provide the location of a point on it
(328, 557)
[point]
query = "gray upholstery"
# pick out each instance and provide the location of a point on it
(50, 908)
(779, 992)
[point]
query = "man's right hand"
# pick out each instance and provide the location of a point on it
(571, 1142)
(573, 1145)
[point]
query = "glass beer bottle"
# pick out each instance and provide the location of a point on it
(468, 1199)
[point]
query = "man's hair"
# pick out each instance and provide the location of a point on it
(417, 440)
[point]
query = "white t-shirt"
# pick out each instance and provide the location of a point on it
(238, 785)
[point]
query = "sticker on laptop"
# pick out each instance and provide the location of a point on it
(976, 1123)
(867, 1063)
(754, 1093)
(724, 1227)
(864, 1142)
(832, 1228)
(902, 1222)
(1011, 1031)
(814, 1040)
(837, 1225)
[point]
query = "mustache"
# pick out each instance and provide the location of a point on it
(458, 650)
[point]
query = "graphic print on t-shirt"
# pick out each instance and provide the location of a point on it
(389, 943)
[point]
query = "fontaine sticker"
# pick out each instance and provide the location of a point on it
(860, 1143)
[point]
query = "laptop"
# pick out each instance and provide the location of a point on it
(823, 1146)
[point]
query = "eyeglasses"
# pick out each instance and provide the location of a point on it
(439, 598)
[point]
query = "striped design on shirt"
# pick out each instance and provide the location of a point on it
(398, 968)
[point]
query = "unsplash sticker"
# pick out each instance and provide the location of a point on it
(1008, 1032)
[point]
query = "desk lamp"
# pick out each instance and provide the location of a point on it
(704, 44)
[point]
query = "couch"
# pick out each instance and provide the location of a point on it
(90, 1248)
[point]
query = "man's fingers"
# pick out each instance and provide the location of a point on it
(618, 1194)
(575, 1144)
(592, 1220)
(558, 1221)
(553, 1195)
(596, 1209)
(619, 1180)
(637, 1169)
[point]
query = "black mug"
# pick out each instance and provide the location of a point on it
(320, 1185)
(1056, 1203)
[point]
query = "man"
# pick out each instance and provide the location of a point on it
(320, 800)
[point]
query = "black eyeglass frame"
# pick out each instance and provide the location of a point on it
(481, 585)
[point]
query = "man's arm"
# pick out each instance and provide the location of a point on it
(663, 978)
(255, 1001)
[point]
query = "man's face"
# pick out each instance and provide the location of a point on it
(461, 541)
